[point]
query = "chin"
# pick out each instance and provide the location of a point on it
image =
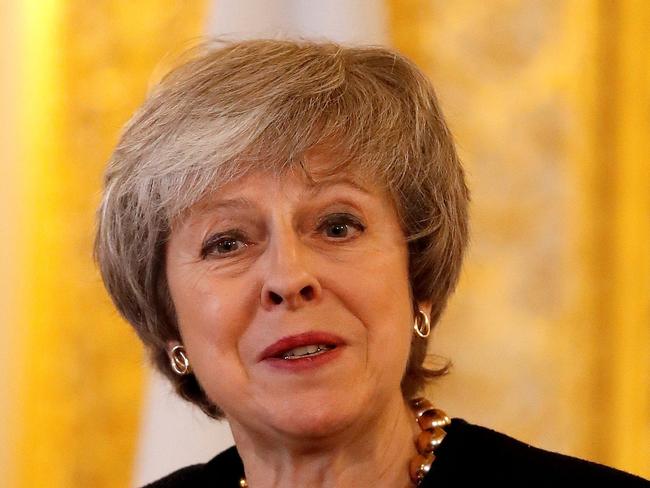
(316, 416)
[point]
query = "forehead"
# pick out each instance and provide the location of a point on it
(314, 173)
(263, 190)
(319, 167)
(260, 191)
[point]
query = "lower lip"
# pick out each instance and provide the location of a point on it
(305, 364)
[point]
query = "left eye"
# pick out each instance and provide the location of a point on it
(337, 230)
(341, 226)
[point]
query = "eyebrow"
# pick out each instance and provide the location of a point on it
(315, 188)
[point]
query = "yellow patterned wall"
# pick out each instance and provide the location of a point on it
(9, 245)
(86, 67)
(550, 104)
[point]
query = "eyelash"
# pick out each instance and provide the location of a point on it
(341, 219)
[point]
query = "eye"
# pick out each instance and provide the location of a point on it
(337, 230)
(340, 226)
(221, 245)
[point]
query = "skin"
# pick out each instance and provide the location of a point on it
(268, 257)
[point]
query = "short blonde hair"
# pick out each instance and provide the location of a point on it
(234, 107)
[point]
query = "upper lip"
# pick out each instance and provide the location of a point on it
(298, 340)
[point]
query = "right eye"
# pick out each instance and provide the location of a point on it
(221, 245)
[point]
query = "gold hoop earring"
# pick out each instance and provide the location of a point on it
(422, 325)
(179, 361)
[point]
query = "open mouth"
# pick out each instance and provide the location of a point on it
(305, 351)
(307, 345)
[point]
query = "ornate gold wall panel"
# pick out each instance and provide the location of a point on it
(617, 164)
(88, 66)
(9, 244)
(549, 331)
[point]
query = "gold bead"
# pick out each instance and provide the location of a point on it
(432, 418)
(421, 405)
(243, 483)
(428, 440)
(420, 466)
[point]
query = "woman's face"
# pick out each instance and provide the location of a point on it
(293, 301)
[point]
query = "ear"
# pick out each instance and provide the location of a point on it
(171, 345)
(425, 307)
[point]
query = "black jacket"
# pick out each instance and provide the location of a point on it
(469, 456)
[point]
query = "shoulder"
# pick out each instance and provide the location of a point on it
(474, 454)
(225, 469)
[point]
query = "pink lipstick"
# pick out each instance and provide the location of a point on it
(302, 351)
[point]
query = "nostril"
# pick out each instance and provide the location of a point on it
(307, 293)
(275, 298)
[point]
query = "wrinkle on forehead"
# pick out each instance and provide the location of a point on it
(317, 168)
(235, 195)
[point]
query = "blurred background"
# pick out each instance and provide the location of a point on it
(549, 331)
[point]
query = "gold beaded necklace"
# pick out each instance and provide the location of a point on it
(431, 420)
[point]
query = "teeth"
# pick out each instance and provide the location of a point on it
(302, 351)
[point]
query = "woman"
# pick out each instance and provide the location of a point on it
(282, 224)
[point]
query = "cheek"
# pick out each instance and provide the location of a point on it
(211, 318)
(378, 292)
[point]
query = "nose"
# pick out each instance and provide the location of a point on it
(289, 282)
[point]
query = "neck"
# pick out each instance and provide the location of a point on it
(374, 452)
